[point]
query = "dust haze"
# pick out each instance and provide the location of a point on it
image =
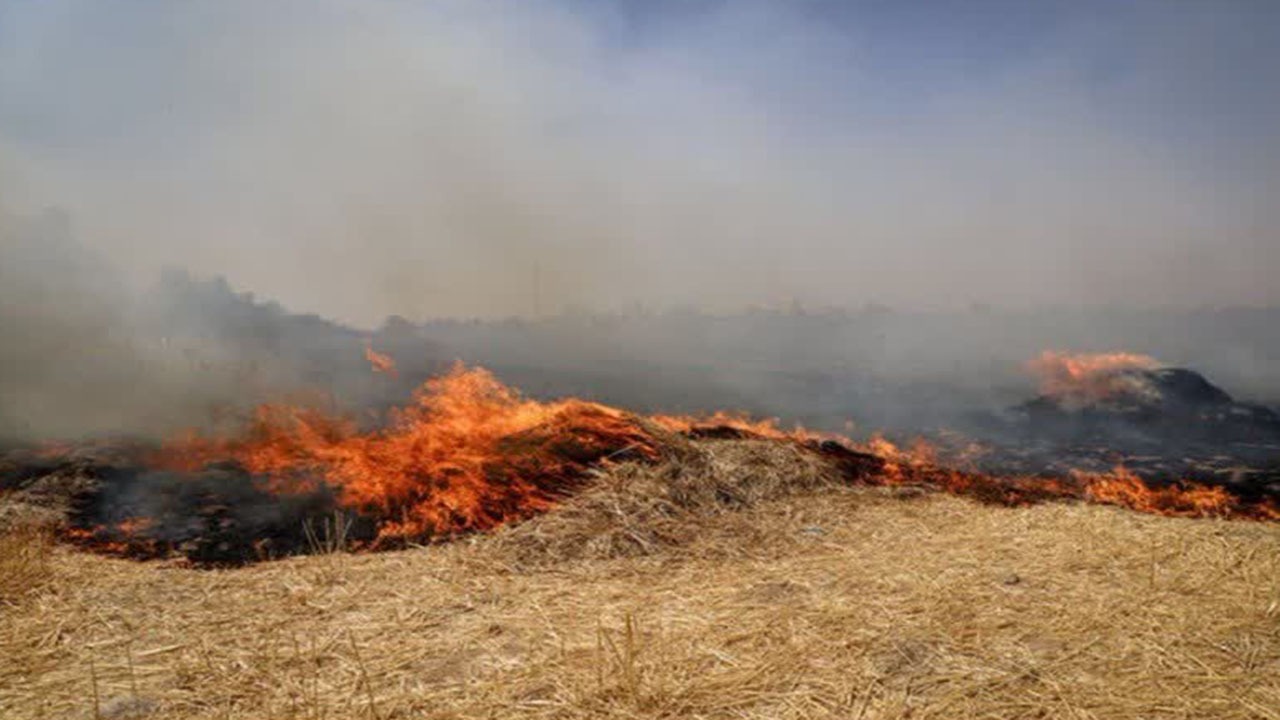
(1103, 179)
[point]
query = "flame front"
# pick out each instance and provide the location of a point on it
(469, 453)
(1121, 487)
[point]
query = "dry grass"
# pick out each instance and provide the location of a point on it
(712, 589)
(638, 509)
(26, 551)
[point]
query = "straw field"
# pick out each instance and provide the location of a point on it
(737, 580)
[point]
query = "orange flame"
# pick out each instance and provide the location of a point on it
(381, 363)
(469, 453)
(1122, 487)
(1087, 378)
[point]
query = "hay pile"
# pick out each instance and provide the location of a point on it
(639, 509)
(735, 580)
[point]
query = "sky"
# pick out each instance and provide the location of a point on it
(475, 158)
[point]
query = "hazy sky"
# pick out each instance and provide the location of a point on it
(358, 159)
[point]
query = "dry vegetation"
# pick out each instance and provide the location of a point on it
(26, 559)
(734, 581)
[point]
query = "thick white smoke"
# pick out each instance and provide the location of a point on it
(431, 159)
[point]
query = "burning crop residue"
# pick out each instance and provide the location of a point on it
(469, 453)
(380, 362)
(1082, 379)
(1133, 406)
(1120, 487)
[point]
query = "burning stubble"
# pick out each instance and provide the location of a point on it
(471, 454)
(493, 160)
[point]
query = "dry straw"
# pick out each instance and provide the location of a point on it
(732, 580)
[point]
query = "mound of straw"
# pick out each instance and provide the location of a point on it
(638, 509)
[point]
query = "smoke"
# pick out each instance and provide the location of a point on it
(473, 158)
(84, 353)
(494, 158)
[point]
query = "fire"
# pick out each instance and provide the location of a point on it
(1122, 487)
(918, 465)
(379, 362)
(1086, 378)
(468, 453)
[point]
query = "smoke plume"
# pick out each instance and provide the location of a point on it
(500, 158)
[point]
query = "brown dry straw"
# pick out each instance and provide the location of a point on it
(729, 580)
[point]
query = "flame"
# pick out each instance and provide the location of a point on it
(469, 453)
(1122, 487)
(918, 465)
(1086, 378)
(379, 362)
